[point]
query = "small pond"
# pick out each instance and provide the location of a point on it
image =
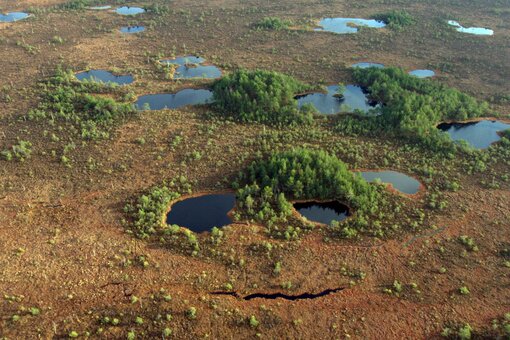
(174, 100)
(347, 25)
(132, 29)
(354, 98)
(202, 213)
(367, 65)
(422, 73)
(100, 8)
(480, 134)
(192, 67)
(103, 76)
(14, 16)
(470, 30)
(126, 10)
(323, 212)
(398, 180)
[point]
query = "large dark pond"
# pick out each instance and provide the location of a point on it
(202, 213)
(173, 100)
(354, 98)
(103, 76)
(480, 134)
(323, 212)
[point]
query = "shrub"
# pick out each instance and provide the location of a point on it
(395, 20)
(64, 98)
(148, 212)
(412, 107)
(260, 96)
(273, 23)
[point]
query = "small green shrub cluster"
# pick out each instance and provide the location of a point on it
(148, 212)
(20, 151)
(412, 107)
(301, 174)
(273, 23)
(66, 99)
(395, 20)
(261, 96)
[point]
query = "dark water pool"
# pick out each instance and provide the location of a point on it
(202, 213)
(126, 10)
(347, 25)
(14, 16)
(323, 212)
(398, 180)
(480, 134)
(132, 29)
(191, 67)
(103, 76)
(327, 103)
(174, 100)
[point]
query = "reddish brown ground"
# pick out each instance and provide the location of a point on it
(62, 242)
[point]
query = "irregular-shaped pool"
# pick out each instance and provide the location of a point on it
(103, 76)
(132, 29)
(480, 134)
(470, 30)
(202, 213)
(347, 25)
(14, 16)
(398, 180)
(192, 67)
(354, 99)
(323, 212)
(126, 10)
(174, 100)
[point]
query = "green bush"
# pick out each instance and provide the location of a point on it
(395, 20)
(148, 212)
(412, 107)
(267, 185)
(21, 151)
(273, 23)
(64, 98)
(260, 96)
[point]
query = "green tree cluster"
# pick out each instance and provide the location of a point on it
(412, 107)
(395, 20)
(66, 99)
(273, 23)
(302, 174)
(261, 96)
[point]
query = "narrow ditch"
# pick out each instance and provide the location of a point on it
(280, 295)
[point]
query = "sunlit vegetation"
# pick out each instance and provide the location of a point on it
(412, 107)
(273, 23)
(395, 20)
(65, 99)
(261, 96)
(19, 151)
(267, 185)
